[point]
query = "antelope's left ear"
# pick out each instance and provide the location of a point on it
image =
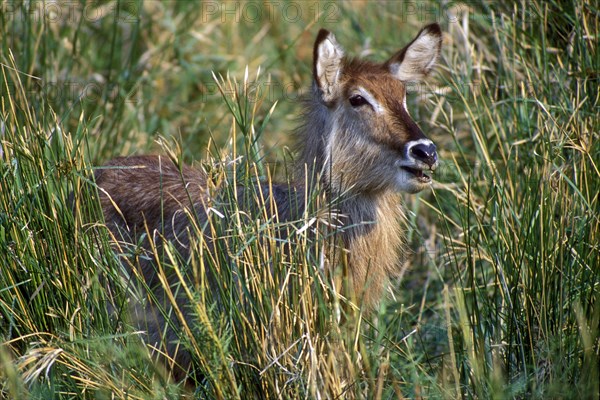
(417, 59)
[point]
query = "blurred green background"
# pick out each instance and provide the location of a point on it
(499, 295)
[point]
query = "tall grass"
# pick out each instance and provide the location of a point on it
(499, 298)
(527, 260)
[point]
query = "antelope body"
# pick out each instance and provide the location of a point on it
(359, 143)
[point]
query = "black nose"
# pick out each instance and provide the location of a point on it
(424, 152)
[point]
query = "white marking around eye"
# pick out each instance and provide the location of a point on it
(368, 97)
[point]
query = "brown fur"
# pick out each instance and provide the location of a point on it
(355, 153)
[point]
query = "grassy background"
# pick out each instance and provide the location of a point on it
(499, 298)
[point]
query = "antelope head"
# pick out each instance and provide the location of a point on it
(369, 141)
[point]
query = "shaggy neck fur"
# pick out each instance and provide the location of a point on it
(373, 234)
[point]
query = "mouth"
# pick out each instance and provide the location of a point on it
(418, 174)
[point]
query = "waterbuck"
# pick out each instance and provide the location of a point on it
(359, 146)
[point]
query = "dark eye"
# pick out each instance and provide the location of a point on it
(357, 100)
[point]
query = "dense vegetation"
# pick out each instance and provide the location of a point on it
(499, 294)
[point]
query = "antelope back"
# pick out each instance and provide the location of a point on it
(358, 129)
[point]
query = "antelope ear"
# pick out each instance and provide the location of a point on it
(417, 59)
(327, 63)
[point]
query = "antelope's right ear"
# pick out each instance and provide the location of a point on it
(327, 63)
